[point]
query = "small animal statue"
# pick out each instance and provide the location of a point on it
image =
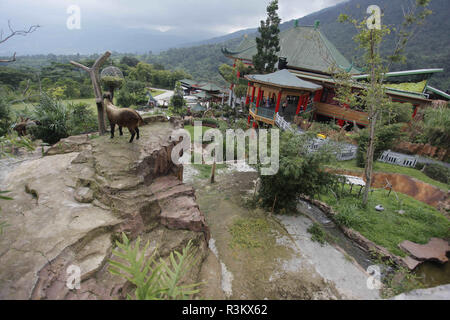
(122, 117)
(21, 127)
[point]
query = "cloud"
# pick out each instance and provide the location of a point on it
(137, 24)
(177, 16)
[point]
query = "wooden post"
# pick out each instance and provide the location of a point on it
(95, 78)
(213, 171)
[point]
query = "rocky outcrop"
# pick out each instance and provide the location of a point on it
(435, 250)
(70, 206)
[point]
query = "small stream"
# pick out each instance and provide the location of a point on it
(352, 249)
(432, 274)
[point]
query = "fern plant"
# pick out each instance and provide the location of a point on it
(154, 279)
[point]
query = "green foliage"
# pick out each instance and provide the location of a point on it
(317, 233)
(389, 228)
(129, 61)
(249, 233)
(268, 43)
(5, 114)
(437, 172)
(133, 93)
(112, 82)
(385, 137)
(177, 102)
(154, 280)
(82, 119)
(300, 172)
(437, 126)
(53, 116)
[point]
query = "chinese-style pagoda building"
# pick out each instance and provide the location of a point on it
(305, 81)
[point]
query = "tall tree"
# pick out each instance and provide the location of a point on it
(370, 36)
(268, 44)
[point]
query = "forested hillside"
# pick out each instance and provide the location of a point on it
(428, 49)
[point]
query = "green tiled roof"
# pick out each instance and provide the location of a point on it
(202, 95)
(198, 108)
(438, 92)
(285, 79)
(304, 47)
(210, 87)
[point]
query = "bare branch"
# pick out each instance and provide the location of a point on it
(13, 32)
(79, 65)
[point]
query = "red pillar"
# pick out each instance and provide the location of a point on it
(255, 125)
(318, 95)
(300, 103)
(278, 102)
(253, 94)
(249, 118)
(259, 97)
(247, 99)
(416, 109)
(305, 102)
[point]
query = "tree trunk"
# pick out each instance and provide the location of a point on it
(95, 78)
(372, 122)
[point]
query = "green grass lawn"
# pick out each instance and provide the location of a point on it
(389, 168)
(21, 106)
(190, 129)
(419, 223)
(156, 93)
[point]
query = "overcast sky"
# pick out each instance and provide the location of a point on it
(177, 18)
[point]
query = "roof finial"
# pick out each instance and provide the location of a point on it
(316, 24)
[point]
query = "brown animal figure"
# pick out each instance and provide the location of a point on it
(21, 127)
(123, 117)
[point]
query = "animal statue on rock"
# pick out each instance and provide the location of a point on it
(122, 117)
(23, 125)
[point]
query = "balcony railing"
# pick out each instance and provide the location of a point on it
(263, 112)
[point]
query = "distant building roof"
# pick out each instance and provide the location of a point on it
(285, 79)
(405, 76)
(198, 108)
(304, 48)
(438, 92)
(210, 87)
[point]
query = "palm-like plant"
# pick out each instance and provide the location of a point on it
(154, 280)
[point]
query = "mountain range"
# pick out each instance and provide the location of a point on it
(429, 48)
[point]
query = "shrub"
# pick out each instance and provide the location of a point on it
(300, 172)
(317, 234)
(53, 116)
(5, 115)
(437, 172)
(82, 119)
(385, 136)
(437, 126)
